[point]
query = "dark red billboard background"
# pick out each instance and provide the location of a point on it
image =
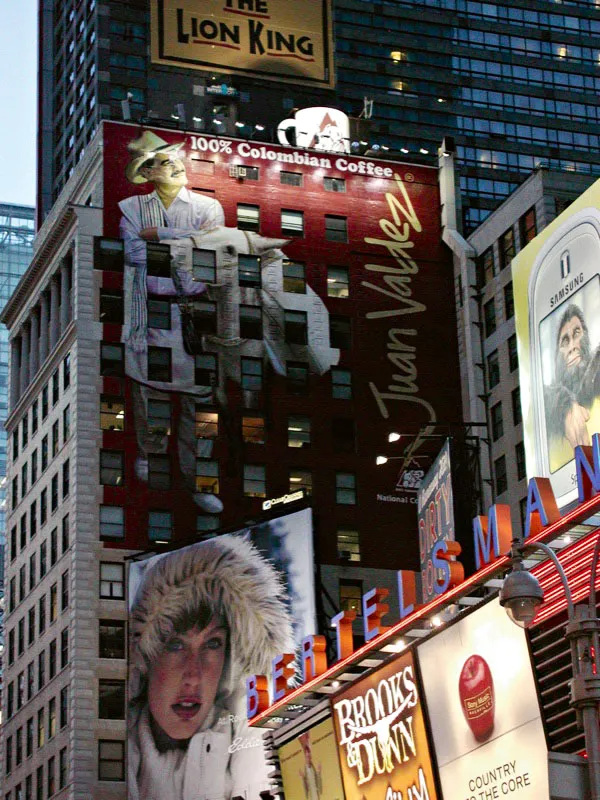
(402, 355)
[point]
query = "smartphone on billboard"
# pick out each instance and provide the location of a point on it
(564, 329)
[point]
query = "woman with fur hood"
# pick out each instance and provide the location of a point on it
(202, 620)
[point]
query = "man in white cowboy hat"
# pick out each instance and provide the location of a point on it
(169, 213)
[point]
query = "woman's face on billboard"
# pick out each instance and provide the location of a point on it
(183, 681)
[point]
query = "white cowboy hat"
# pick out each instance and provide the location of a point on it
(142, 149)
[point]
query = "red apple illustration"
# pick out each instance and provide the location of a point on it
(476, 690)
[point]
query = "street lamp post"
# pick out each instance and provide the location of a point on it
(521, 595)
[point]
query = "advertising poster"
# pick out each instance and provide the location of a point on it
(436, 517)
(202, 619)
(275, 39)
(556, 282)
(483, 709)
(250, 270)
(380, 730)
(309, 765)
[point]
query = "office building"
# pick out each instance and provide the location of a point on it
(16, 247)
(516, 86)
(486, 325)
(294, 369)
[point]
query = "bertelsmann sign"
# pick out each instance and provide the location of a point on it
(277, 39)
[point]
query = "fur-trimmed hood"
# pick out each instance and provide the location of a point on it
(230, 577)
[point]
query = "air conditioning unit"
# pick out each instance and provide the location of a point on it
(236, 171)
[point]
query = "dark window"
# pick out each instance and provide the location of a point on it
(345, 488)
(42, 614)
(45, 402)
(15, 445)
(493, 369)
(292, 222)
(506, 245)
(204, 265)
(50, 776)
(158, 259)
(30, 680)
(251, 322)
(513, 356)
(62, 768)
(51, 718)
(112, 581)
(34, 416)
(66, 423)
(64, 590)
(53, 546)
(65, 533)
(294, 277)
(55, 387)
(67, 371)
(53, 603)
(159, 313)
(341, 384)
(249, 273)
(24, 431)
(515, 398)
(52, 659)
(44, 453)
(338, 282)
(32, 520)
(300, 479)
(509, 301)
(497, 422)
(29, 738)
(39, 783)
(41, 669)
(23, 531)
(64, 707)
(205, 373)
(489, 317)
(334, 184)
(112, 467)
(290, 178)
(500, 475)
(109, 254)
(159, 417)
(43, 559)
(160, 526)
(111, 760)
(248, 217)
(336, 228)
(253, 429)
(520, 459)
(340, 332)
(159, 364)
(111, 699)
(255, 480)
(112, 413)
(343, 435)
(296, 327)
(487, 266)
(203, 316)
(112, 360)
(66, 478)
(111, 638)
(55, 439)
(21, 636)
(111, 306)
(10, 700)
(12, 594)
(159, 472)
(41, 728)
(112, 522)
(252, 374)
(528, 226)
(296, 377)
(351, 595)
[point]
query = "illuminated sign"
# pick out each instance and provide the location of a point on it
(309, 765)
(274, 39)
(492, 537)
(556, 284)
(320, 128)
(286, 498)
(435, 518)
(381, 736)
(483, 709)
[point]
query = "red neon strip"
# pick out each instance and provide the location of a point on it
(578, 514)
(216, 44)
(246, 13)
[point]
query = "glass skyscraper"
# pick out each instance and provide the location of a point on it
(515, 83)
(16, 247)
